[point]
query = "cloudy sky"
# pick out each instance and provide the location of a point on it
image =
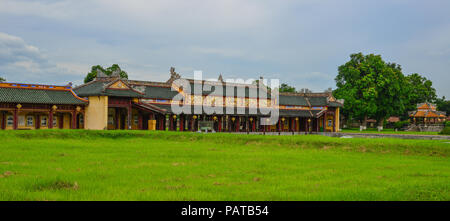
(300, 42)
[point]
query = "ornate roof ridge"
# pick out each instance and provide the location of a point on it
(44, 87)
(35, 86)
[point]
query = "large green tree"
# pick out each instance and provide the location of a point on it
(420, 90)
(371, 88)
(443, 105)
(392, 95)
(2, 79)
(108, 71)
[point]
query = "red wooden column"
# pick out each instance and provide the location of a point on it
(3, 120)
(264, 128)
(317, 124)
(38, 121)
(306, 125)
(238, 125)
(181, 123)
(325, 122)
(140, 121)
(74, 119)
(15, 123)
(220, 123)
(334, 122)
(254, 125)
(50, 119)
(129, 113)
(291, 125)
(117, 126)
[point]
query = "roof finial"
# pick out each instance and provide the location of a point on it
(173, 75)
(100, 73)
(220, 78)
(116, 73)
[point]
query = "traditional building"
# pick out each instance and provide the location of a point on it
(426, 113)
(32, 106)
(109, 102)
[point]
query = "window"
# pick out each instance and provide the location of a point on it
(330, 123)
(44, 121)
(30, 120)
(136, 119)
(81, 119)
(110, 120)
(9, 120)
(55, 121)
(21, 120)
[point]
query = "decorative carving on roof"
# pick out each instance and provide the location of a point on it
(116, 73)
(173, 75)
(100, 74)
(140, 88)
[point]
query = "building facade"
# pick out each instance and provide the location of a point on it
(32, 106)
(112, 103)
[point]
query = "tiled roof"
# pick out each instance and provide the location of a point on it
(39, 96)
(161, 90)
(292, 100)
(99, 88)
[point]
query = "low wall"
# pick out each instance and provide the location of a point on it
(426, 128)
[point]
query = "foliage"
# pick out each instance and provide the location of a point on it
(2, 79)
(286, 88)
(370, 87)
(443, 105)
(155, 165)
(400, 124)
(419, 90)
(108, 71)
(446, 130)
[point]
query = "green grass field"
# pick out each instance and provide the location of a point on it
(386, 131)
(142, 165)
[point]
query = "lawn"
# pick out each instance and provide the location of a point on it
(387, 131)
(143, 165)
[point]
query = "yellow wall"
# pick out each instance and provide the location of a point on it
(328, 127)
(134, 115)
(337, 119)
(96, 117)
(67, 118)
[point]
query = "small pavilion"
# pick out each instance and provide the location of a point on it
(426, 113)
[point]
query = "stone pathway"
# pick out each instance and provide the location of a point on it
(356, 135)
(380, 135)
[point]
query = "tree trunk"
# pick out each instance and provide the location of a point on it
(380, 124)
(364, 124)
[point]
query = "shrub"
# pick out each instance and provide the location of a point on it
(446, 129)
(400, 124)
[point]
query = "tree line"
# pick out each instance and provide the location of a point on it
(374, 88)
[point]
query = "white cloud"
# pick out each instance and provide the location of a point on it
(20, 61)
